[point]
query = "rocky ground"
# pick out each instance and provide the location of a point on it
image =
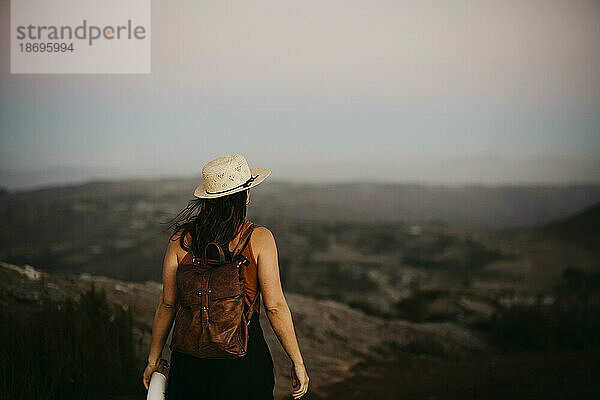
(335, 339)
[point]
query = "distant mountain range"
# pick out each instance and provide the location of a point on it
(491, 206)
(503, 206)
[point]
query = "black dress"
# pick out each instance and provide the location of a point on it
(247, 377)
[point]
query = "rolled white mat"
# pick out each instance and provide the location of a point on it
(158, 387)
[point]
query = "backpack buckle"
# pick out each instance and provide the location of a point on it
(242, 261)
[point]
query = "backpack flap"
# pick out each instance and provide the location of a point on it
(224, 282)
(193, 285)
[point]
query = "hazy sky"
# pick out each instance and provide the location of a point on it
(432, 91)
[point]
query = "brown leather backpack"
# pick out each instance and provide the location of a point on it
(210, 321)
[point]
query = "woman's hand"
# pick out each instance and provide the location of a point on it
(299, 381)
(150, 368)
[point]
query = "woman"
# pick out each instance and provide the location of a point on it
(219, 215)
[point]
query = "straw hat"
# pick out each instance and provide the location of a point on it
(228, 175)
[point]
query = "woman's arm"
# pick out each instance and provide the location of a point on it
(165, 310)
(276, 306)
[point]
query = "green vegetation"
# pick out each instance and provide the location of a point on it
(414, 308)
(571, 322)
(78, 349)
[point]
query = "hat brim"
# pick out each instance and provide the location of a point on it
(262, 173)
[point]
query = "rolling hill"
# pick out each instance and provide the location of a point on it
(498, 206)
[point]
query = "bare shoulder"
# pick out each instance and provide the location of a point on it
(175, 245)
(174, 240)
(262, 235)
(262, 239)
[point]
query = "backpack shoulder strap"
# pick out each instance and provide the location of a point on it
(250, 310)
(245, 241)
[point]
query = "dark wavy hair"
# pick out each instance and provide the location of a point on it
(210, 220)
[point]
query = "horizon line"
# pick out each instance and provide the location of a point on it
(296, 181)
